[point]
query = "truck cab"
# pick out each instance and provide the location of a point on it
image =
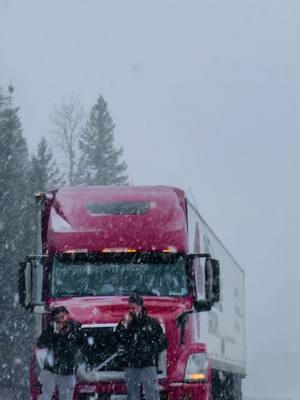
(99, 245)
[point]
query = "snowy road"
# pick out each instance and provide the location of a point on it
(6, 395)
(9, 395)
(267, 398)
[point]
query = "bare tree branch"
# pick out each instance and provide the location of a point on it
(67, 119)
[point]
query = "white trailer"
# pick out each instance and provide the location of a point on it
(222, 328)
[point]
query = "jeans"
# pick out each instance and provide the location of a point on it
(64, 383)
(142, 377)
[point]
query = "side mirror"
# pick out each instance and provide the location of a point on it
(212, 281)
(208, 280)
(207, 288)
(216, 284)
(30, 282)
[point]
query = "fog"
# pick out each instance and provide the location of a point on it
(205, 96)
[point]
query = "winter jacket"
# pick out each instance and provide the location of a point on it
(143, 339)
(62, 348)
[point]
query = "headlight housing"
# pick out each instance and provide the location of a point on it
(196, 369)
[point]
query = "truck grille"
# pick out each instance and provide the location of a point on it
(100, 344)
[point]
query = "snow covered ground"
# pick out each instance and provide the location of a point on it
(6, 395)
(268, 398)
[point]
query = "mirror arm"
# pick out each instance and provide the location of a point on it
(21, 284)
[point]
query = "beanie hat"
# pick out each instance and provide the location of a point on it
(57, 310)
(136, 299)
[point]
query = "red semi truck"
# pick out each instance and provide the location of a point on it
(99, 245)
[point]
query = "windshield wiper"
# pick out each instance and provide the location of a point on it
(139, 291)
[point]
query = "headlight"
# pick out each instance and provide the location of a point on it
(196, 368)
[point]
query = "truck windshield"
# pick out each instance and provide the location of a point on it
(111, 278)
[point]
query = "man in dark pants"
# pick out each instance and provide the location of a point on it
(60, 343)
(140, 339)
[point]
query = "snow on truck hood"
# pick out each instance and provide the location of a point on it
(110, 310)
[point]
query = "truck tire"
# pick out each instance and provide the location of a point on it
(226, 386)
(237, 387)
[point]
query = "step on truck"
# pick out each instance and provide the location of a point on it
(96, 246)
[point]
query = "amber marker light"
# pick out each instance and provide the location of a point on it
(197, 377)
(118, 250)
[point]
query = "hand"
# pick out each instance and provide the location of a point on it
(126, 321)
(120, 349)
(60, 326)
(41, 356)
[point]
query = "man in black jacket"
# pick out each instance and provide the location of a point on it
(140, 339)
(61, 341)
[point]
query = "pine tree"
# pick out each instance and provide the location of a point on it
(16, 326)
(13, 168)
(99, 159)
(43, 175)
(44, 172)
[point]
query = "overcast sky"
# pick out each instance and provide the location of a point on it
(205, 95)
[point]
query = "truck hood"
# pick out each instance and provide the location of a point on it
(104, 310)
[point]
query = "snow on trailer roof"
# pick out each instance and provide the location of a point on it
(94, 218)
